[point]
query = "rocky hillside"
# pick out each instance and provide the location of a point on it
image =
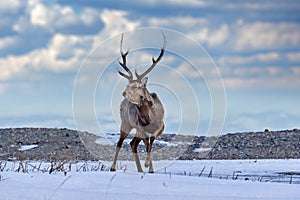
(251, 145)
(42, 144)
(64, 145)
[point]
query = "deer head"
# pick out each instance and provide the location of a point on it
(136, 91)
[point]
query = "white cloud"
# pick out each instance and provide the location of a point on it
(228, 6)
(219, 36)
(269, 57)
(179, 22)
(265, 35)
(263, 78)
(13, 67)
(47, 59)
(260, 71)
(199, 67)
(55, 17)
(64, 52)
(39, 15)
(68, 46)
(197, 28)
(187, 71)
(187, 3)
(275, 71)
(246, 71)
(255, 5)
(10, 6)
(200, 35)
(190, 3)
(7, 42)
(293, 57)
(296, 70)
(238, 36)
(115, 22)
(89, 16)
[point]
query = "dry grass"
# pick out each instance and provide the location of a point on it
(51, 167)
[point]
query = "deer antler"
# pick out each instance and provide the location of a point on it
(154, 61)
(129, 76)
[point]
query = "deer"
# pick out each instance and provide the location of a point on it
(140, 110)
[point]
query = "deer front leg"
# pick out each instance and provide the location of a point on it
(134, 144)
(123, 135)
(148, 162)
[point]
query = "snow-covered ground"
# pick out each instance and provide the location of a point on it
(180, 180)
(112, 138)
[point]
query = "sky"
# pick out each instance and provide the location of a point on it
(228, 67)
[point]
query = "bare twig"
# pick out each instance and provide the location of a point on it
(108, 185)
(210, 173)
(60, 185)
(202, 171)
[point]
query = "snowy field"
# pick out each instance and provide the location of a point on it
(204, 179)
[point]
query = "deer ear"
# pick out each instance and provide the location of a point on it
(144, 81)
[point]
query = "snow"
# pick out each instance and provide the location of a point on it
(253, 167)
(167, 183)
(27, 147)
(254, 170)
(112, 138)
(199, 150)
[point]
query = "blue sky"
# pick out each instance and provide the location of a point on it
(46, 46)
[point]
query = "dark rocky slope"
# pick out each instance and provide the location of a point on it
(65, 145)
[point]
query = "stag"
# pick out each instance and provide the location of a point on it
(140, 110)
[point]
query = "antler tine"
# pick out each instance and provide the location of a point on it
(123, 55)
(154, 61)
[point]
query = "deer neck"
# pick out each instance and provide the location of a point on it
(140, 113)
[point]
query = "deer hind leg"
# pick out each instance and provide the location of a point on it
(123, 135)
(134, 144)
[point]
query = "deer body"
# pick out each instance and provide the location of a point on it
(140, 110)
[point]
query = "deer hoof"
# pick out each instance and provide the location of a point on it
(112, 169)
